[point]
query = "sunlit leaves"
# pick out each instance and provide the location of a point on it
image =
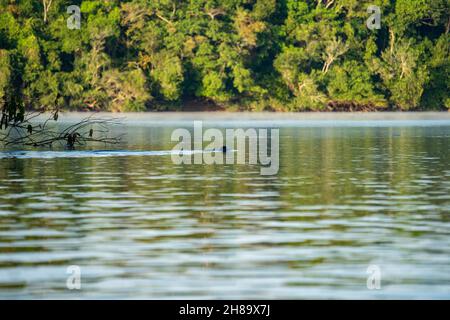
(285, 55)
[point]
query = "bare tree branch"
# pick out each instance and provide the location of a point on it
(212, 13)
(38, 134)
(47, 4)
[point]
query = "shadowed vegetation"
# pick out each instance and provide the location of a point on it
(286, 55)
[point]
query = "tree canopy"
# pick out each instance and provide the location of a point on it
(286, 55)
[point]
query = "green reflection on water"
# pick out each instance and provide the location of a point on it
(140, 226)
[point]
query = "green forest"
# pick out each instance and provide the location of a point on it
(278, 55)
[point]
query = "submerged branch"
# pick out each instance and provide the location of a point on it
(33, 133)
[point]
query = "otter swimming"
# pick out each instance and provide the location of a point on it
(261, 144)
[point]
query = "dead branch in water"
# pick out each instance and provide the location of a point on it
(31, 132)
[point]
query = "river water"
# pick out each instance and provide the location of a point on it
(354, 193)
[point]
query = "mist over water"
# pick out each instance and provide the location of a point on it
(351, 191)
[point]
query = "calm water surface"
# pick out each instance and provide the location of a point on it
(352, 191)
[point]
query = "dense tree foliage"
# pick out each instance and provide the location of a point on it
(256, 54)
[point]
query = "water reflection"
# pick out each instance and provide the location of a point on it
(141, 227)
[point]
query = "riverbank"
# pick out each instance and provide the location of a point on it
(204, 105)
(213, 108)
(332, 106)
(262, 118)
